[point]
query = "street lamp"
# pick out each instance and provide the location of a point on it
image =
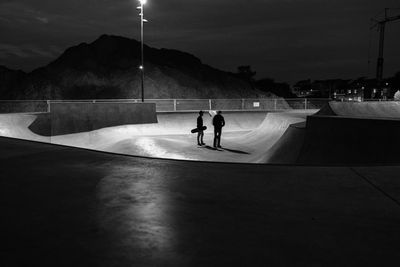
(142, 20)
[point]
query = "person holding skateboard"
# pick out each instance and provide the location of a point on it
(200, 128)
(218, 122)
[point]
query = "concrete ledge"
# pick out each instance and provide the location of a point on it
(342, 140)
(383, 109)
(72, 117)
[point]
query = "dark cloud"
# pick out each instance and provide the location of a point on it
(286, 40)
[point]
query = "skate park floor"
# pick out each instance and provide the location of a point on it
(64, 206)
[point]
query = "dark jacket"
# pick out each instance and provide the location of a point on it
(199, 122)
(218, 121)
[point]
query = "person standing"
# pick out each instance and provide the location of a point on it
(200, 133)
(218, 122)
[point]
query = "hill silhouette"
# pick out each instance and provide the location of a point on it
(108, 68)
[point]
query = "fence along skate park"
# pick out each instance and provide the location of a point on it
(325, 200)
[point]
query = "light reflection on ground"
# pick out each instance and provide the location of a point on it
(135, 211)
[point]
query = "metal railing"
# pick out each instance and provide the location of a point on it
(179, 105)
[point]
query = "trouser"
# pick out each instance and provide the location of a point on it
(200, 136)
(217, 136)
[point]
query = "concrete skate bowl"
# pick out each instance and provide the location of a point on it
(295, 137)
(247, 136)
(278, 138)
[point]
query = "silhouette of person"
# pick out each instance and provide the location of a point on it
(200, 133)
(218, 122)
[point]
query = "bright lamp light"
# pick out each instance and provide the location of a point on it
(143, 2)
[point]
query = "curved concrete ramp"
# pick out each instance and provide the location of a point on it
(17, 125)
(287, 149)
(169, 124)
(261, 140)
(247, 137)
(282, 138)
(249, 146)
(384, 109)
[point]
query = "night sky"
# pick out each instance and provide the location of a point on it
(286, 40)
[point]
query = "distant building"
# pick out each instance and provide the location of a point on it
(320, 88)
(303, 88)
(359, 89)
(354, 90)
(366, 89)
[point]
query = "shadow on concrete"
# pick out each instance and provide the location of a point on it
(212, 148)
(235, 151)
(227, 149)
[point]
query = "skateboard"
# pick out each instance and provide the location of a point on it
(195, 130)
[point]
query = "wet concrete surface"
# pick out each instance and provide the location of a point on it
(73, 207)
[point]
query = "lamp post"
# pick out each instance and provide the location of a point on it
(142, 20)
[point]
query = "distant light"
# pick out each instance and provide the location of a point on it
(141, 67)
(387, 83)
(143, 2)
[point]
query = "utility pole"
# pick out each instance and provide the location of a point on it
(142, 20)
(381, 28)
